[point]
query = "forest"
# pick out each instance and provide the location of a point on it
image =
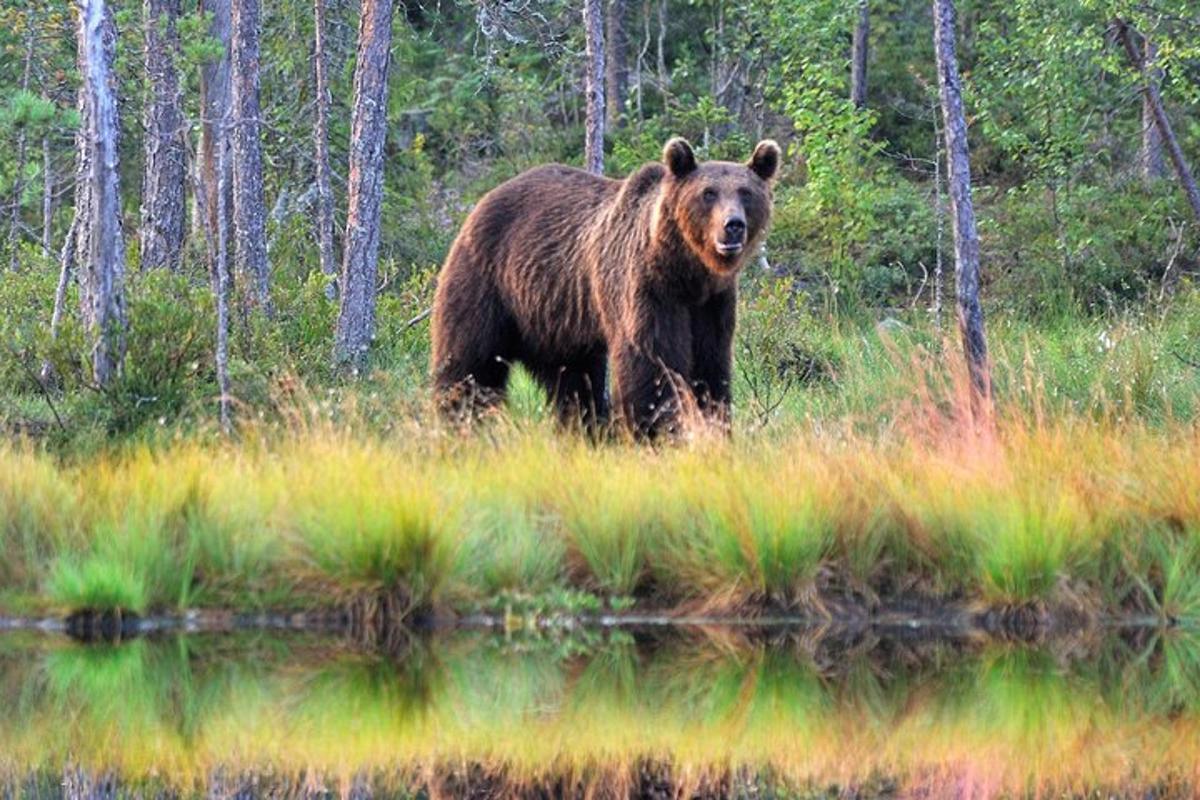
(317, 260)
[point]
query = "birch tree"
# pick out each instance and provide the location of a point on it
(321, 147)
(860, 50)
(47, 197)
(593, 26)
(368, 133)
(1133, 43)
(164, 169)
(1153, 165)
(660, 56)
(962, 211)
(249, 208)
(616, 67)
(14, 235)
(223, 280)
(101, 245)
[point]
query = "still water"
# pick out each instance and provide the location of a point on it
(677, 712)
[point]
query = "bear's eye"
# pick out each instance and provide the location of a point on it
(710, 195)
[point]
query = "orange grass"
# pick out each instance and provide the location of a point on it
(1103, 514)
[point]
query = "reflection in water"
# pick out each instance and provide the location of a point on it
(702, 707)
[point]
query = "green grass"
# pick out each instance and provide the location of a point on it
(866, 477)
(1101, 514)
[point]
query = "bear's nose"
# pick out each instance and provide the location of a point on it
(735, 229)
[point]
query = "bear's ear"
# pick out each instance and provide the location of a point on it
(765, 160)
(678, 157)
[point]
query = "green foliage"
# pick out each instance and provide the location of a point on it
(780, 350)
(1083, 249)
(507, 550)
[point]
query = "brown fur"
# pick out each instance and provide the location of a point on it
(566, 272)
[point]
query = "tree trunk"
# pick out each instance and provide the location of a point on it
(101, 244)
(1151, 95)
(321, 141)
(966, 237)
(858, 60)
(639, 71)
(368, 134)
(249, 208)
(715, 66)
(163, 179)
(14, 232)
(1153, 165)
(72, 243)
(616, 74)
(224, 283)
(664, 78)
(593, 25)
(47, 198)
(66, 269)
(940, 217)
(214, 103)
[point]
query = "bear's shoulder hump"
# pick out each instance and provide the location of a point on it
(645, 180)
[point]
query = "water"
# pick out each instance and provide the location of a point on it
(700, 711)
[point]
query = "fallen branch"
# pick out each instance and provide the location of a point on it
(419, 318)
(1187, 361)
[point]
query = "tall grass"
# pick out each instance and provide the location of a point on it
(1086, 490)
(1106, 512)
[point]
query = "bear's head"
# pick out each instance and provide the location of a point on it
(720, 208)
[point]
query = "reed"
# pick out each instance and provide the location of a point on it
(1104, 514)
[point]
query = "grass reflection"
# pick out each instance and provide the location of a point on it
(982, 719)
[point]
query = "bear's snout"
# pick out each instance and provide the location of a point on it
(733, 236)
(735, 230)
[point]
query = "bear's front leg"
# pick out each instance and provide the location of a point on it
(649, 393)
(651, 365)
(712, 357)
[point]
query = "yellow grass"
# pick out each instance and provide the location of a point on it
(1105, 515)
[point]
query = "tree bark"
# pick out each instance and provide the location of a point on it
(249, 207)
(616, 74)
(1154, 166)
(66, 269)
(966, 236)
(47, 198)
(14, 233)
(164, 178)
(593, 25)
(639, 71)
(368, 134)
(72, 243)
(214, 103)
(101, 243)
(224, 283)
(940, 225)
(1129, 38)
(664, 78)
(859, 54)
(321, 142)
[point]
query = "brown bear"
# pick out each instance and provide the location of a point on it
(567, 272)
